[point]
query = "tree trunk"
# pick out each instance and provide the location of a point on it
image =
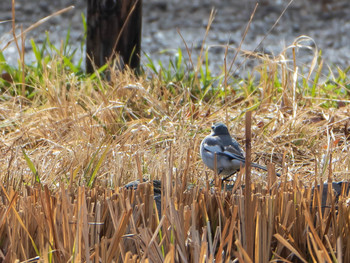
(113, 32)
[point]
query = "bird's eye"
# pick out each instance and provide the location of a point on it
(213, 127)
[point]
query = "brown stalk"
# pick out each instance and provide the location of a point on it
(230, 237)
(194, 234)
(285, 243)
(84, 223)
(249, 214)
(243, 253)
(317, 238)
(178, 230)
(113, 249)
(270, 226)
(185, 173)
(316, 249)
(169, 258)
(257, 247)
(223, 242)
(339, 249)
(11, 201)
(330, 247)
(65, 220)
(139, 169)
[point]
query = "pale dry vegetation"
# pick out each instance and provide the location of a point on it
(75, 135)
(69, 143)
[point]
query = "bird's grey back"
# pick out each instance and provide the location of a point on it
(222, 137)
(235, 148)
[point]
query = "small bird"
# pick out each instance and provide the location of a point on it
(229, 154)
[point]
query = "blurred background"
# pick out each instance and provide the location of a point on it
(326, 22)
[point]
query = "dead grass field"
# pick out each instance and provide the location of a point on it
(69, 144)
(66, 156)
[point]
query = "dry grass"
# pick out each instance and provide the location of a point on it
(67, 151)
(102, 225)
(134, 132)
(135, 122)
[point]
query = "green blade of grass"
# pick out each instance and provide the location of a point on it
(99, 163)
(31, 167)
(99, 71)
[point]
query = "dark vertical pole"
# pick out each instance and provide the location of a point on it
(113, 32)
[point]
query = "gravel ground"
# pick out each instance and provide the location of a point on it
(328, 25)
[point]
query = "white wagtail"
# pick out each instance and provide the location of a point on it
(229, 154)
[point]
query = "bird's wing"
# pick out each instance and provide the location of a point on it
(216, 144)
(235, 148)
(213, 144)
(232, 156)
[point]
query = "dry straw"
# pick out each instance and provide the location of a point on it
(287, 223)
(66, 154)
